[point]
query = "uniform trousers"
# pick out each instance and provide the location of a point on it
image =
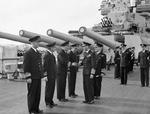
(145, 76)
(117, 71)
(72, 80)
(49, 91)
(34, 94)
(97, 86)
(61, 85)
(88, 88)
(123, 74)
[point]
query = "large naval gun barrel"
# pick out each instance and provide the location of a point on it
(18, 38)
(97, 37)
(62, 36)
(46, 39)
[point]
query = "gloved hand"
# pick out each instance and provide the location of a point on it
(29, 80)
(91, 76)
(45, 78)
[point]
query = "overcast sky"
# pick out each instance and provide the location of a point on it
(40, 15)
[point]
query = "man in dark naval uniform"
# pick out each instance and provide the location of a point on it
(62, 69)
(124, 62)
(88, 74)
(50, 70)
(132, 58)
(33, 72)
(100, 62)
(143, 59)
(73, 59)
(117, 62)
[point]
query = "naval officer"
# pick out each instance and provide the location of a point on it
(143, 59)
(73, 59)
(88, 74)
(50, 71)
(124, 62)
(62, 69)
(32, 65)
(100, 62)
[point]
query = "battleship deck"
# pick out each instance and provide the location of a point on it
(115, 98)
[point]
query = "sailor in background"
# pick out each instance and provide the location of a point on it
(100, 61)
(50, 70)
(33, 70)
(117, 62)
(129, 59)
(73, 59)
(132, 58)
(109, 59)
(62, 69)
(88, 74)
(143, 59)
(124, 63)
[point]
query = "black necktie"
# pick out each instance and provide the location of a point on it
(37, 50)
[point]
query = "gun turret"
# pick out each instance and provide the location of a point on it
(63, 36)
(46, 39)
(97, 37)
(18, 38)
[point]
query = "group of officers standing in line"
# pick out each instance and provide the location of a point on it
(57, 68)
(125, 60)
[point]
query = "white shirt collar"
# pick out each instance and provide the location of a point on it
(34, 49)
(98, 52)
(50, 52)
(87, 51)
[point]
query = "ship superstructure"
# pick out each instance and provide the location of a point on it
(125, 17)
(125, 21)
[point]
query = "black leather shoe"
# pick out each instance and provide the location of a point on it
(75, 95)
(72, 96)
(63, 100)
(39, 111)
(49, 106)
(85, 102)
(54, 104)
(91, 102)
(97, 97)
(32, 113)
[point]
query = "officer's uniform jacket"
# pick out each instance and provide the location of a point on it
(117, 57)
(124, 58)
(100, 63)
(33, 64)
(63, 60)
(143, 58)
(72, 58)
(50, 65)
(88, 62)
